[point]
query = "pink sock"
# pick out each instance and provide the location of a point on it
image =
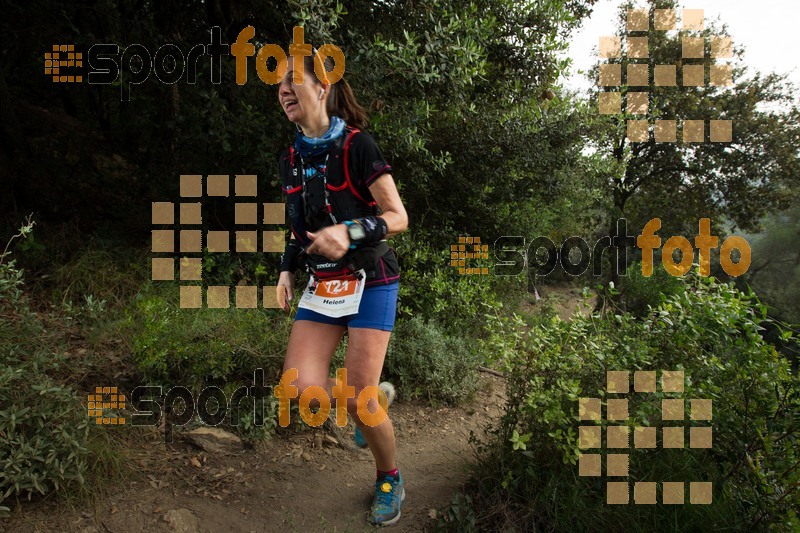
(382, 474)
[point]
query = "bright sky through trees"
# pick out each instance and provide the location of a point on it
(767, 29)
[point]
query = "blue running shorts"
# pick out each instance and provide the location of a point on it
(377, 310)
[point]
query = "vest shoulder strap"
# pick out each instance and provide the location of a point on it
(349, 184)
(346, 162)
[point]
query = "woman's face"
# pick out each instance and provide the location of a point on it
(301, 103)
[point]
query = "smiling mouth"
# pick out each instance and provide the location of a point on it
(289, 105)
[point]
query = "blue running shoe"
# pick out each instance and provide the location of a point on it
(390, 392)
(359, 439)
(389, 496)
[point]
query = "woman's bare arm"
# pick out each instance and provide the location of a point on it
(385, 193)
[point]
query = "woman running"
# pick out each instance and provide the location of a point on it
(337, 183)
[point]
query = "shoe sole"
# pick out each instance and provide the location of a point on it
(394, 520)
(392, 392)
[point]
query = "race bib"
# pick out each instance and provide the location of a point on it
(334, 297)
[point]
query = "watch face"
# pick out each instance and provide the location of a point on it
(356, 232)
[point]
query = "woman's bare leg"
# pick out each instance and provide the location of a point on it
(310, 350)
(366, 351)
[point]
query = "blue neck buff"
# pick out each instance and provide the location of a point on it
(309, 147)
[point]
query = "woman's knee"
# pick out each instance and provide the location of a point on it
(313, 392)
(294, 384)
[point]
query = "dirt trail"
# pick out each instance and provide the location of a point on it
(289, 484)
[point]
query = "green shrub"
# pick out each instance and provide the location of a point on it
(528, 477)
(14, 310)
(252, 424)
(427, 362)
(43, 431)
(432, 289)
(43, 426)
(17, 321)
(194, 347)
(640, 293)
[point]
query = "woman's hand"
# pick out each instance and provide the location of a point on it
(332, 242)
(285, 290)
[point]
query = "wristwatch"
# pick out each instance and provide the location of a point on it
(356, 232)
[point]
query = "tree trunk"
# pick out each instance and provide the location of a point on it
(617, 249)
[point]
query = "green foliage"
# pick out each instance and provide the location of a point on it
(12, 299)
(318, 18)
(43, 430)
(775, 272)
(640, 293)
(193, 347)
(254, 427)
(710, 331)
(683, 182)
(425, 361)
(253, 423)
(44, 433)
(459, 516)
(430, 287)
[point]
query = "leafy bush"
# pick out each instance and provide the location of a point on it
(43, 431)
(528, 477)
(425, 361)
(640, 293)
(196, 348)
(43, 426)
(192, 347)
(253, 424)
(432, 289)
(12, 299)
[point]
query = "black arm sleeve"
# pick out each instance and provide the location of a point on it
(289, 256)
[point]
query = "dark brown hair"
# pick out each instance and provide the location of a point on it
(341, 100)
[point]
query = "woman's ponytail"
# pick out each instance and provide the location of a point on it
(342, 103)
(341, 100)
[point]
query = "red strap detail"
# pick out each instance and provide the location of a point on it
(338, 188)
(291, 166)
(333, 273)
(347, 179)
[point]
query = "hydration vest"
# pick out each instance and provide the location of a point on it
(307, 210)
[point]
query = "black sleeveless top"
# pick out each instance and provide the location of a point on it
(348, 194)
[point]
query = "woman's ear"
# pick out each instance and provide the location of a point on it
(324, 88)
